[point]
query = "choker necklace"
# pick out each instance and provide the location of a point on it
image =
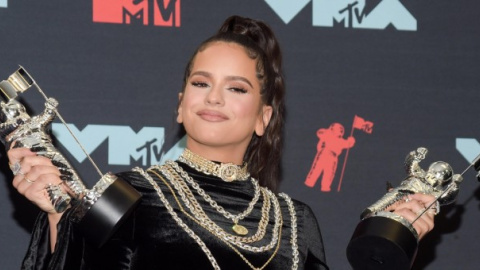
(228, 172)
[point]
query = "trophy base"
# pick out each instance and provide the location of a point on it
(109, 211)
(382, 243)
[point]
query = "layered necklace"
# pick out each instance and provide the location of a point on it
(241, 242)
(238, 229)
(180, 182)
(227, 172)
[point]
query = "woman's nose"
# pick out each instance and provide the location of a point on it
(214, 96)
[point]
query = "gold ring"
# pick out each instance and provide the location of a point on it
(29, 181)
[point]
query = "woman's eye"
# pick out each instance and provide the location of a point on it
(238, 90)
(200, 84)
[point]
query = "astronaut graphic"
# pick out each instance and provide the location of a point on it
(330, 145)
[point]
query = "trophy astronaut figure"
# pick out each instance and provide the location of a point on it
(115, 197)
(385, 240)
(21, 130)
(438, 181)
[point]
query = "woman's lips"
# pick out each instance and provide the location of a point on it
(212, 116)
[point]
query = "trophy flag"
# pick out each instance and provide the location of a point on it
(365, 126)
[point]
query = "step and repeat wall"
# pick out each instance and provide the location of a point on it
(393, 74)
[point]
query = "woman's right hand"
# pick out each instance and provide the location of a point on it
(34, 175)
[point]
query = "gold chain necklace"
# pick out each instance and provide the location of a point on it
(197, 211)
(212, 232)
(177, 219)
(226, 171)
(238, 229)
(291, 208)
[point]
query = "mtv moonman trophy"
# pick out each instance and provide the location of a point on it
(97, 211)
(385, 240)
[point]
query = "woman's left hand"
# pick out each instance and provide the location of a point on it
(413, 206)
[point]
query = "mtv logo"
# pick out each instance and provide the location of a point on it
(352, 14)
(146, 12)
(124, 143)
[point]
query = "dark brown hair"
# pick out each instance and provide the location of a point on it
(264, 152)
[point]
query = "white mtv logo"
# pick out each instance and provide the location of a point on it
(123, 143)
(352, 13)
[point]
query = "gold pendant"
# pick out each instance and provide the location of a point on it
(228, 172)
(239, 229)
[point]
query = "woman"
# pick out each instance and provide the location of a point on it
(213, 207)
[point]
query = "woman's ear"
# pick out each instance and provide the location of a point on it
(263, 120)
(179, 108)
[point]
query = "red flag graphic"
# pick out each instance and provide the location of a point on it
(360, 123)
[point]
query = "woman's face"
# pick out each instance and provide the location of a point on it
(221, 105)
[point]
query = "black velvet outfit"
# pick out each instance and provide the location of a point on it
(151, 239)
